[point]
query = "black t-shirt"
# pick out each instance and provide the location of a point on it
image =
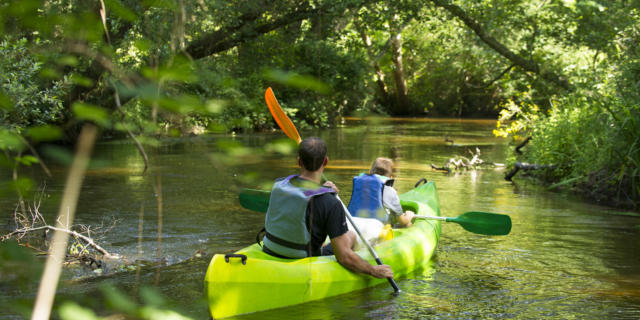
(328, 220)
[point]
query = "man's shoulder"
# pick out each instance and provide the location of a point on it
(328, 203)
(327, 198)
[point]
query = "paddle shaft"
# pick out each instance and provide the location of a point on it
(369, 247)
(431, 217)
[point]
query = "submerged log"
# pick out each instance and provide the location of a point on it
(526, 166)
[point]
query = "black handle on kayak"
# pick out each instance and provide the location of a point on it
(422, 180)
(242, 257)
(393, 283)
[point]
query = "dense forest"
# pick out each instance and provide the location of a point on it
(565, 73)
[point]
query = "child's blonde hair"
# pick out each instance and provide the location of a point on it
(382, 166)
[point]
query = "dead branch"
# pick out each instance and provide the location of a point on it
(522, 144)
(460, 162)
(31, 220)
(20, 233)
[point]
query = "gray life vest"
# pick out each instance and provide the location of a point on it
(287, 231)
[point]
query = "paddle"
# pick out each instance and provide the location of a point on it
(290, 130)
(281, 118)
(491, 224)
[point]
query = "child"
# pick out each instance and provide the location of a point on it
(373, 195)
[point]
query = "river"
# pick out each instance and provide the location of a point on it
(564, 259)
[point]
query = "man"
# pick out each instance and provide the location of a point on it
(302, 213)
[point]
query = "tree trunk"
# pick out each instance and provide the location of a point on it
(402, 100)
(379, 75)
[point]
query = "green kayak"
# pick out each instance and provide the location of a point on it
(250, 280)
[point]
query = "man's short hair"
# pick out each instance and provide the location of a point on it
(312, 152)
(382, 166)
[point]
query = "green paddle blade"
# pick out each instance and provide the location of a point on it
(255, 200)
(492, 224)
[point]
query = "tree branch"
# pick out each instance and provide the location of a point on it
(527, 65)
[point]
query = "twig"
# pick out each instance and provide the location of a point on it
(131, 135)
(84, 238)
(35, 154)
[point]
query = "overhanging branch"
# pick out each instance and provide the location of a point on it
(527, 65)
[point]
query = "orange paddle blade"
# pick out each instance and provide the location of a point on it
(281, 118)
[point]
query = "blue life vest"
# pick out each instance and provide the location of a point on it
(286, 226)
(366, 197)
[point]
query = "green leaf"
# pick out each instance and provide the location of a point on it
(10, 140)
(44, 133)
(178, 72)
(6, 102)
(215, 105)
(120, 10)
(163, 4)
(283, 146)
(297, 81)
(143, 45)
(152, 297)
(85, 111)
(23, 185)
(27, 160)
(58, 154)
(72, 311)
(81, 80)
(118, 300)
(152, 313)
(68, 60)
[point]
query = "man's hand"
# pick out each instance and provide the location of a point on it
(350, 260)
(382, 271)
(406, 218)
(331, 185)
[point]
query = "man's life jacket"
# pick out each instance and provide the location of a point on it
(366, 197)
(287, 231)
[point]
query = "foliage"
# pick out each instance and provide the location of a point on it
(30, 99)
(152, 306)
(590, 134)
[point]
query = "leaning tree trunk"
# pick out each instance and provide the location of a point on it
(402, 100)
(379, 75)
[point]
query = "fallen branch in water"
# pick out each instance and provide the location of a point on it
(526, 166)
(21, 232)
(460, 162)
(30, 220)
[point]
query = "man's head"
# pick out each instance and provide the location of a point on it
(312, 152)
(382, 166)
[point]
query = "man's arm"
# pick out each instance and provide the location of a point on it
(350, 260)
(391, 201)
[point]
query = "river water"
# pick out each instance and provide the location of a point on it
(564, 258)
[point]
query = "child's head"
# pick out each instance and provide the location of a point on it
(382, 166)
